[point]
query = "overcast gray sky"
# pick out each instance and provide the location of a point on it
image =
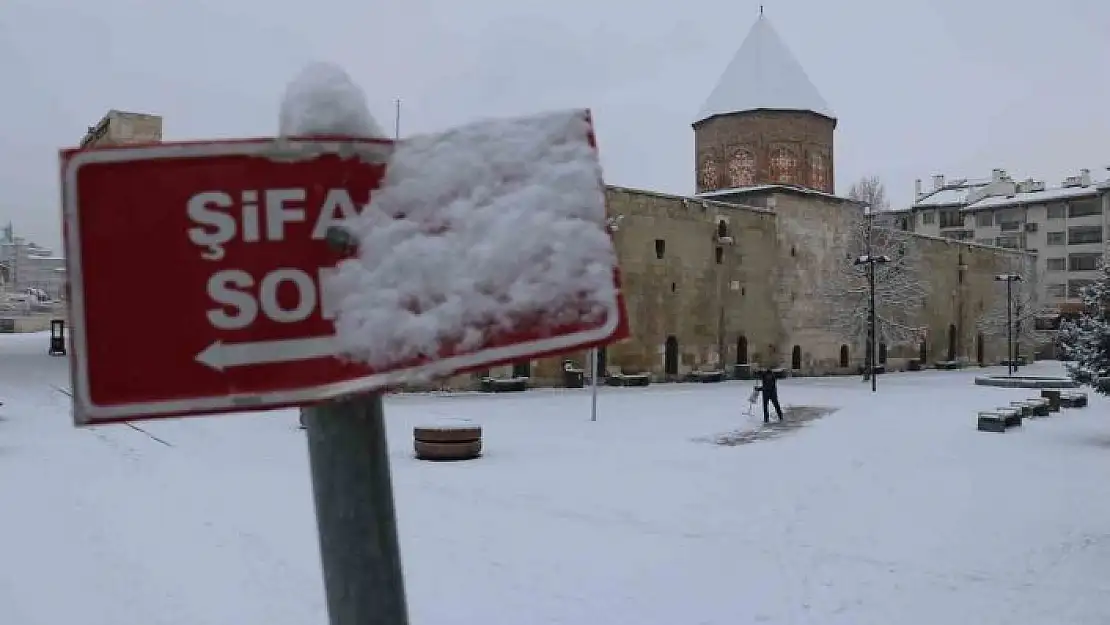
(919, 86)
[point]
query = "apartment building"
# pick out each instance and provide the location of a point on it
(1068, 225)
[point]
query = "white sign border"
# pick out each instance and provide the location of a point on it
(86, 412)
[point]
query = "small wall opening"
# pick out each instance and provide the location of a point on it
(670, 356)
(660, 248)
(796, 358)
(844, 361)
(979, 349)
(742, 350)
(522, 369)
(951, 341)
(882, 353)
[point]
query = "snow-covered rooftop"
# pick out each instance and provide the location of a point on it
(1034, 197)
(953, 194)
(764, 74)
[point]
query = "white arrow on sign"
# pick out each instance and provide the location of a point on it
(220, 355)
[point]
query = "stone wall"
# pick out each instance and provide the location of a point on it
(749, 295)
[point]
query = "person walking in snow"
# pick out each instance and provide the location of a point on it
(768, 383)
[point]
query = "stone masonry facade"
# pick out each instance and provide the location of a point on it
(765, 147)
(713, 283)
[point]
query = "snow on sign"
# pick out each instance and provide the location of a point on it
(201, 280)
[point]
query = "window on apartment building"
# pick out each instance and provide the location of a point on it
(987, 241)
(1084, 234)
(1056, 238)
(1057, 290)
(928, 217)
(1075, 288)
(1057, 264)
(1057, 211)
(984, 219)
(951, 219)
(1085, 207)
(1011, 242)
(1083, 262)
(1009, 226)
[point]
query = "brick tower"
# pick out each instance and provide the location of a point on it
(764, 122)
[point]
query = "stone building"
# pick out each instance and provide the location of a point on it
(730, 275)
(122, 128)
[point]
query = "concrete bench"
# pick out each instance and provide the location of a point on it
(1072, 399)
(1053, 397)
(1023, 408)
(1040, 406)
(991, 422)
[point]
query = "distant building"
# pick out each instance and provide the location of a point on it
(123, 128)
(25, 265)
(1067, 225)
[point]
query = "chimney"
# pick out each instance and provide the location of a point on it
(917, 189)
(938, 182)
(1085, 177)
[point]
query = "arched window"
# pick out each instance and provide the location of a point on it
(707, 174)
(818, 171)
(784, 166)
(741, 169)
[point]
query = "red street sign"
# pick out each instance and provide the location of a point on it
(195, 278)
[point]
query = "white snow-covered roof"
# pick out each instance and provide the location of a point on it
(951, 195)
(764, 74)
(1033, 197)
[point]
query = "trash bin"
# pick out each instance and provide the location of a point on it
(57, 337)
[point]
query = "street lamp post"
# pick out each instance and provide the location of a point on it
(871, 261)
(1009, 279)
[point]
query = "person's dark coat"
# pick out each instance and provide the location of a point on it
(770, 386)
(769, 382)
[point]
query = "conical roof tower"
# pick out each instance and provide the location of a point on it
(764, 122)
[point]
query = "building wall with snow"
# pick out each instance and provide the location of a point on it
(757, 299)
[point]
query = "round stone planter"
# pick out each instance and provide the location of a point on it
(447, 442)
(1020, 381)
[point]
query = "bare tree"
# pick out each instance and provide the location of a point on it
(900, 289)
(870, 191)
(1025, 305)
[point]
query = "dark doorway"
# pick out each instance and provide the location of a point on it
(670, 356)
(882, 353)
(602, 362)
(951, 342)
(843, 356)
(742, 350)
(979, 350)
(796, 358)
(923, 352)
(522, 369)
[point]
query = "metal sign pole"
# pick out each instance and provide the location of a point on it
(593, 384)
(357, 524)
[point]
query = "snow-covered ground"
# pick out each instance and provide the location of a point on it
(891, 510)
